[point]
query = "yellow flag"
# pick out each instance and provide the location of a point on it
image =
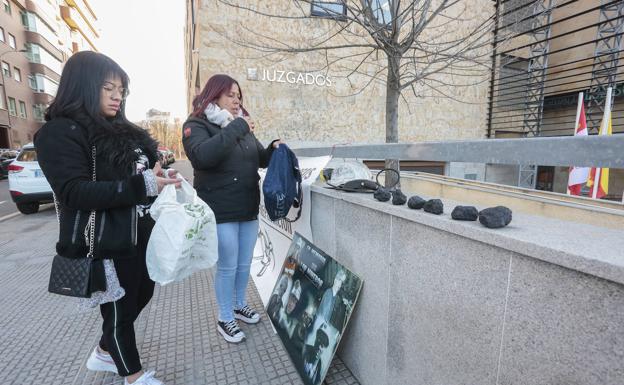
(603, 184)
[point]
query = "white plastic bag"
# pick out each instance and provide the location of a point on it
(184, 239)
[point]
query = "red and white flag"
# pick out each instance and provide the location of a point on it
(579, 175)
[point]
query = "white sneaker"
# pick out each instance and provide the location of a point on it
(101, 362)
(146, 379)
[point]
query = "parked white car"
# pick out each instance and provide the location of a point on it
(27, 184)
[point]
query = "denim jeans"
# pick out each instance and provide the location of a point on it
(236, 245)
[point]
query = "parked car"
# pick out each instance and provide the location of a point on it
(163, 158)
(27, 185)
(4, 167)
(8, 153)
(6, 157)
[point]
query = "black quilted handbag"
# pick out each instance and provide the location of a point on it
(70, 276)
(75, 277)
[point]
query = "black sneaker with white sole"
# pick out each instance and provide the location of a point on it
(230, 331)
(247, 315)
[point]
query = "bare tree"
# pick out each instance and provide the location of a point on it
(419, 47)
(167, 134)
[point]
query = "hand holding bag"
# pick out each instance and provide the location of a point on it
(78, 277)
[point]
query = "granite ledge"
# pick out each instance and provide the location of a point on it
(599, 252)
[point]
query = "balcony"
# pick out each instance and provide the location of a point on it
(35, 37)
(74, 19)
(42, 98)
(86, 13)
(43, 9)
(44, 70)
(69, 16)
(82, 16)
(39, 55)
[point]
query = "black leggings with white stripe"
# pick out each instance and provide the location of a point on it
(118, 337)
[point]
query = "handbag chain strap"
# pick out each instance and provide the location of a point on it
(90, 229)
(56, 208)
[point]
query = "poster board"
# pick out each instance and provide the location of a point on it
(310, 307)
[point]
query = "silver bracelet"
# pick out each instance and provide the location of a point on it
(151, 187)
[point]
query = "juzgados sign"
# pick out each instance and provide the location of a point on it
(291, 77)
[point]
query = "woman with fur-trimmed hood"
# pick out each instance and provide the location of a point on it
(86, 125)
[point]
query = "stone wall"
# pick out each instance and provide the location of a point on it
(342, 112)
(447, 302)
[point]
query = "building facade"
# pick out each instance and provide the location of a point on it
(294, 97)
(157, 116)
(36, 38)
(556, 50)
(543, 53)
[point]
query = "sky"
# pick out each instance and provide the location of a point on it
(146, 37)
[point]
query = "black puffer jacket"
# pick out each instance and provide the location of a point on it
(225, 163)
(64, 154)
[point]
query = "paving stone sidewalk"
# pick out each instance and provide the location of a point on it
(45, 339)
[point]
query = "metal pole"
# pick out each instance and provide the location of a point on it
(603, 131)
(493, 73)
(576, 123)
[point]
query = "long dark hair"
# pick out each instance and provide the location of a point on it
(216, 86)
(78, 95)
(78, 99)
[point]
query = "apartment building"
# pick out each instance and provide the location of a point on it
(36, 38)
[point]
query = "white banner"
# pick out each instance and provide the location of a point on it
(274, 238)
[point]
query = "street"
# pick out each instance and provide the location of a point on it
(185, 168)
(6, 204)
(8, 209)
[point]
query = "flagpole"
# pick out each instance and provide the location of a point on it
(576, 122)
(596, 182)
(603, 131)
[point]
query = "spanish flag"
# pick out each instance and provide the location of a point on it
(579, 175)
(601, 174)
